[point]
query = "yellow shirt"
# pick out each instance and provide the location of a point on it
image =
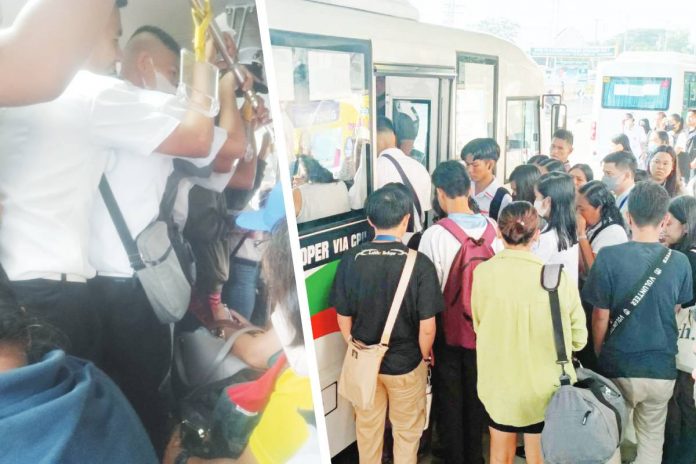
(517, 370)
(283, 430)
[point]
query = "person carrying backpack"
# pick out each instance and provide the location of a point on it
(456, 245)
(516, 355)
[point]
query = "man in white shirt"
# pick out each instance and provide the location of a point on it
(52, 157)
(394, 166)
(136, 352)
(636, 135)
(481, 156)
(620, 177)
(455, 367)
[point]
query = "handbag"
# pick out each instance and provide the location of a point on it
(154, 260)
(583, 423)
(358, 380)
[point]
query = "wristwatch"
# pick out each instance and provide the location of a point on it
(183, 457)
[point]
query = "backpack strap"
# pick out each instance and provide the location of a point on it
(450, 226)
(406, 181)
(550, 280)
(497, 202)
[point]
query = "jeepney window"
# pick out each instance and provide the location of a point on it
(324, 95)
(636, 93)
(522, 132)
(689, 91)
(475, 98)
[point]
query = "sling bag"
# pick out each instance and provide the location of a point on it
(358, 381)
(583, 422)
(154, 260)
(409, 185)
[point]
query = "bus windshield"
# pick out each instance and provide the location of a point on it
(636, 93)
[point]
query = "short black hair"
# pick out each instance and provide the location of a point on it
(623, 160)
(552, 165)
(537, 159)
(384, 124)
(452, 178)
(648, 203)
(482, 149)
(161, 34)
(387, 206)
(564, 134)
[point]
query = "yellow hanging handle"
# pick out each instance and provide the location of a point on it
(202, 18)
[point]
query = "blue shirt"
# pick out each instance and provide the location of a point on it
(645, 345)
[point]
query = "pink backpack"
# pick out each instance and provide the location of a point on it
(457, 320)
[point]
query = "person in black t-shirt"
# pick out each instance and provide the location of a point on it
(362, 294)
(636, 347)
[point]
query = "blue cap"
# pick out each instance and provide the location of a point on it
(268, 216)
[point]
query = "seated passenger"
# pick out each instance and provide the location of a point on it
(517, 370)
(57, 408)
(316, 194)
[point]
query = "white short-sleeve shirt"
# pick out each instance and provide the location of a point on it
(416, 173)
(52, 156)
(611, 235)
(138, 184)
(547, 250)
(485, 198)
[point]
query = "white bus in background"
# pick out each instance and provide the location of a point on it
(339, 65)
(640, 83)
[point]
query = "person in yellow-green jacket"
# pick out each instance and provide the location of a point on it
(517, 370)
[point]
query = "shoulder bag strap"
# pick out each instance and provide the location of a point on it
(399, 296)
(407, 183)
(497, 202)
(630, 303)
(136, 261)
(550, 280)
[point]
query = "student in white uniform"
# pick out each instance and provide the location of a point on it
(394, 166)
(52, 158)
(619, 170)
(136, 351)
(481, 156)
(558, 242)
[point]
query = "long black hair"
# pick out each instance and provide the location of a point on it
(598, 195)
(316, 173)
(683, 208)
(560, 188)
(622, 139)
(525, 177)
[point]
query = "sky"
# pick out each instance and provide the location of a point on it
(542, 20)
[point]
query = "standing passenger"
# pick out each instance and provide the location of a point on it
(522, 181)
(619, 176)
(362, 294)
(481, 157)
(516, 356)
(555, 202)
(637, 348)
(456, 364)
(562, 147)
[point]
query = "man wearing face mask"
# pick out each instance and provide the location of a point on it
(619, 176)
(137, 346)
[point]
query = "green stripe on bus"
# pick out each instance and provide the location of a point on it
(319, 286)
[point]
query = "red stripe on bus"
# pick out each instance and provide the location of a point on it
(324, 323)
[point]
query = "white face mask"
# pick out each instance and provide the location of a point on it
(286, 334)
(541, 209)
(162, 84)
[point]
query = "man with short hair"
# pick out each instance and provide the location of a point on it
(394, 166)
(562, 147)
(481, 156)
(637, 137)
(363, 291)
(406, 125)
(456, 370)
(620, 177)
(633, 323)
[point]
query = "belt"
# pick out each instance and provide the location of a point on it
(61, 277)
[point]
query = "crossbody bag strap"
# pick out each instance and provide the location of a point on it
(409, 185)
(550, 280)
(596, 233)
(136, 261)
(399, 296)
(642, 287)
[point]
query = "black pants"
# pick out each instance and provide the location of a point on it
(680, 429)
(67, 308)
(462, 416)
(137, 350)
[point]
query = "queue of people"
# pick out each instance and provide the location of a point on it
(91, 369)
(492, 356)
